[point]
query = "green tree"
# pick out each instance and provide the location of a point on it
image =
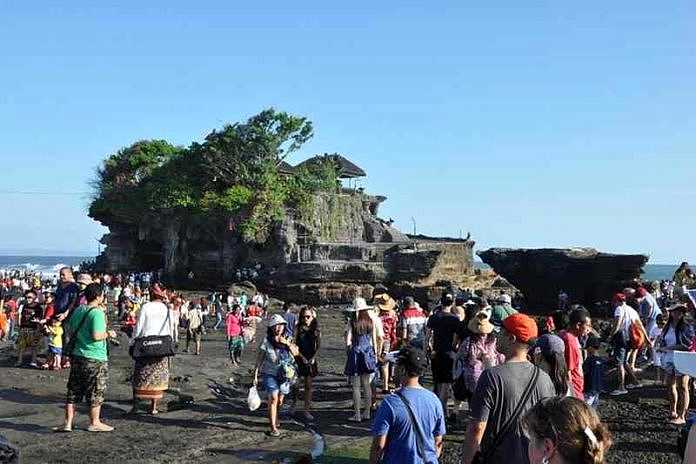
(118, 187)
(232, 174)
(242, 153)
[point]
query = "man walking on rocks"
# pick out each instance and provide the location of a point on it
(503, 394)
(442, 326)
(410, 423)
(580, 326)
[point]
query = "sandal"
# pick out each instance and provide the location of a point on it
(62, 429)
(273, 433)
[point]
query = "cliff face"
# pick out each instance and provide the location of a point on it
(331, 254)
(588, 276)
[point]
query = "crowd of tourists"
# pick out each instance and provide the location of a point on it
(70, 321)
(522, 386)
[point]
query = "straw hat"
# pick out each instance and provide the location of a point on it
(85, 279)
(384, 302)
(359, 304)
(480, 324)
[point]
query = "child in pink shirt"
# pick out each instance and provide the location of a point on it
(235, 341)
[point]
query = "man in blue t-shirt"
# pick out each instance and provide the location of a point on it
(66, 294)
(395, 434)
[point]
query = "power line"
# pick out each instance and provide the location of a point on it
(26, 192)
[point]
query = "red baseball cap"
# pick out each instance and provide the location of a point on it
(523, 327)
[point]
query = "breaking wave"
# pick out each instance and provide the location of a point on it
(46, 265)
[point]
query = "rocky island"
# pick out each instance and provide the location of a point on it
(585, 274)
(201, 214)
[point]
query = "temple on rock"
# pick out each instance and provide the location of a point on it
(335, 252)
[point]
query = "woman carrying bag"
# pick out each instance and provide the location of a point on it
(361, 362)
(476, 353)
(308, 340)
(276, 363)
(677, 335)
(151, 369)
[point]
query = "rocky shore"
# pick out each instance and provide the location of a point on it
(206, 420)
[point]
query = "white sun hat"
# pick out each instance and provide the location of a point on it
(359, 304)
(276, 319)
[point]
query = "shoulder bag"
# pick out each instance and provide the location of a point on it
(459, 388)
(418, 432)
(153, 346)
(618, 339)
(636, 335)
(72, 335)
(484, 458)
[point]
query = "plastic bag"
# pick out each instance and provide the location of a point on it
(253, 400)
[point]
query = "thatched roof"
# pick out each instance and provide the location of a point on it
(346, 169)
(285, 168)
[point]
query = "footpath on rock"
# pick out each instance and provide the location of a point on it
(205, 418)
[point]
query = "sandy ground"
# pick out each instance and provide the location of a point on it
(217, 427)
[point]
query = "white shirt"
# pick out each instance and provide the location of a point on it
(628, 316)
(377, 322)
(670, 340)
(654, 332)
(154, 319)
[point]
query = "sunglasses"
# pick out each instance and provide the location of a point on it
(307, 316)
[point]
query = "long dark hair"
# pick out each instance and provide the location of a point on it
(362, 324)
(558, 371)
(678, 324)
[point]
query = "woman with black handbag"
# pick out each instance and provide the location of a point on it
(308, 340)
(151, 347)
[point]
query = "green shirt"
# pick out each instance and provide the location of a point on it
(500, 313)
(85, 345)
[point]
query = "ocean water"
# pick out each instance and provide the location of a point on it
(47, 265)
(659, 271)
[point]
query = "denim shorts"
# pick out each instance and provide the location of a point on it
(55, 349)
(620, 354)
(271, 385)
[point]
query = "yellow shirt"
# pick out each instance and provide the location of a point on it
(56, 337)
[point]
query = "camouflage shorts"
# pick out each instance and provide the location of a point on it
(87, 380)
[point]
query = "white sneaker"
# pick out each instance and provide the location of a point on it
(618, 392)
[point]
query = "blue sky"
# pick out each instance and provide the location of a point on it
(526, 123)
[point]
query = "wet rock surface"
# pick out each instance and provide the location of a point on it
(585, 274)
(204, 418)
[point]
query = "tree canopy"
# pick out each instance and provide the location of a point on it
(233, 173)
